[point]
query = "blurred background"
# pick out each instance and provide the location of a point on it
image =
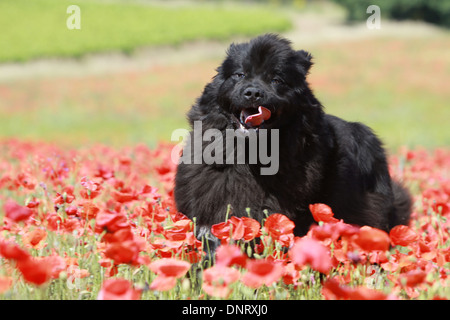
(132, 70)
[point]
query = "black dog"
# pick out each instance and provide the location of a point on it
(322, 159)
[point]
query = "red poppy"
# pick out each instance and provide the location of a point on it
(110, 221)
(118, 289)
(26, 181)
(221, 230)
(182, 225)
(331, 290)
(307, 251)
(123, 252)
(332, 231)
(91, 188)
(151, 191)
(252, 228)
(193, 256)
(54, 221)
(89, 210)
(179, 231)
(5, 284)
(230, 255)
(57, 264)
(217, 280)
(169, 267)
(262, 272)
(168, 270)
(71, 210)
(370, 239)
(233, 228)
(125, 195)
(71, 224)
(90, 185)
(35, 238)
(10, 250)
(157, 214)
(16, 212)
(33, 203)
(322, 212)
(280, 228)
(413, 277)
(402, 235)
(120, 235)
(111, 269)
(237, 227)
(34, 270)
(66, 196)
(161, 283)
(74, 272)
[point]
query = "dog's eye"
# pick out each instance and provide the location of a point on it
(239, 75)
(276, 81)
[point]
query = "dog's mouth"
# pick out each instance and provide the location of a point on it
(253, 118)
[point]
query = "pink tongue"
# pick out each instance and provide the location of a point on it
(257, 118)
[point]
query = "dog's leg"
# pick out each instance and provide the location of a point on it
(210, 244)
(402, 205)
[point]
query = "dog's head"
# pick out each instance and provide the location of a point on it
(262, 80)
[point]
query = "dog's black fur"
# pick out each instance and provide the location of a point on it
(323, 159)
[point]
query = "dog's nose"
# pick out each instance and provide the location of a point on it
(253, 94)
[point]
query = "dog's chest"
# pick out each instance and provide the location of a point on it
(237, 186)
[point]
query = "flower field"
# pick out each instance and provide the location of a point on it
(100, 222)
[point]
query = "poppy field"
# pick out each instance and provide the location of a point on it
(100, 223)
(86, 190)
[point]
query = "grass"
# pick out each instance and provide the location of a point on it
(40, 26)
(402, 96)
(118, 109)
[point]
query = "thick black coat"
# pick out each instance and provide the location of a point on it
(323, 159)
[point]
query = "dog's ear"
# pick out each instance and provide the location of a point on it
(233, 55)
(304, 58)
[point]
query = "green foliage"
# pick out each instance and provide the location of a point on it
(434, 11)
(40, 26)
(357, 81)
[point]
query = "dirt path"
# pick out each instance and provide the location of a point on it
(309, 29)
